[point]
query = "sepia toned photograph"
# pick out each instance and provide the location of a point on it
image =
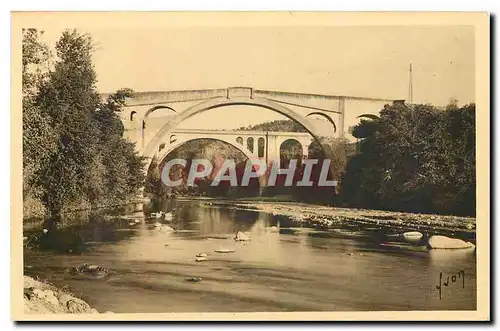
(250, 166)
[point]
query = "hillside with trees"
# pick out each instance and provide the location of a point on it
(277, 125)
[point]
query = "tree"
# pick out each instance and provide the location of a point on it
(38, 138)
(68, 98)
(73, 142)
(413, 159)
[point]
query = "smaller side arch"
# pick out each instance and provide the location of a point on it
(156, 108)
(239, 140)
(133, 114)
(260, 147)
(370, 116)
(250, 144)
(328, 118)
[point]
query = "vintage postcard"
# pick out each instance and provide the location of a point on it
(250, 166)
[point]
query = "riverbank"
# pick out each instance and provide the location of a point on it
(44, 298)
(41, 214)
(326, 217)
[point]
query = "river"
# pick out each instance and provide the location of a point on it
(341, 270)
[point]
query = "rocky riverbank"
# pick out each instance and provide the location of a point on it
(326, 217)
(43, 298)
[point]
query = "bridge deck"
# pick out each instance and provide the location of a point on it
(158, 97)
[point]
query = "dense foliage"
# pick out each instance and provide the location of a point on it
(415, 158)
(74, 155)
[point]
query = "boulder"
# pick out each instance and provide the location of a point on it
(443, 242)
(91, 270)
(201, 255)
(28, 293)
(77, 306)
(51, 298)
(241, 236)
(194, 279)
(274, 229)
(224, 250)
(201, 259)
(74, 305)
(46, 295)
(413, 236)
(165, 228)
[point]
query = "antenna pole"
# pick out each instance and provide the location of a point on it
(410, 85)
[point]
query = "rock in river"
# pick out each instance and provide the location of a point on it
(90, 270)
(163, 228)
(201, 259)
(194, 279)
(201, 255)
(413, 236)
(274, 229)
(241, 236)
(443, 242)
(224, 250)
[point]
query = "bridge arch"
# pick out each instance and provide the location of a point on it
(298, 151)
(214, 103)
(150, 110)
(171, 148)
(328, 118)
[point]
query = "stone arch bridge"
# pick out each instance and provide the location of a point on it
(154, 137)
(264, 145)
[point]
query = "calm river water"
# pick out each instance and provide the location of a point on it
(344, 269)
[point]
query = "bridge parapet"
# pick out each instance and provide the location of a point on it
(159, 97)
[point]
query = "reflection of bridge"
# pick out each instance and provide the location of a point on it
(253, 144)
(185, 104)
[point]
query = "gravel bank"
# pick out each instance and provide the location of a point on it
(307, 215)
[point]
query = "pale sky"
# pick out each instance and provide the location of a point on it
(357, 61)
